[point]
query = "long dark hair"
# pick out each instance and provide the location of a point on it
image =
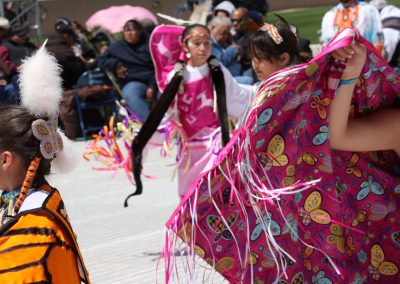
(153, 121)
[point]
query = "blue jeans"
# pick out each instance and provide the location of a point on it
(134, 94)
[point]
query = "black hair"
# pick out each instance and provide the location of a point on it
(153, 120)
(262, 45)
(188, 30)
(136, 25)
(16, 136)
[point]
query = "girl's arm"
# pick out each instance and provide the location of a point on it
(370, 133)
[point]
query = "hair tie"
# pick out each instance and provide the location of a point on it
(272, 32)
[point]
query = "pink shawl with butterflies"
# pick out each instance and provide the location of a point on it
(280, 205)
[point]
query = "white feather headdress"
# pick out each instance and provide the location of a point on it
(41, 94)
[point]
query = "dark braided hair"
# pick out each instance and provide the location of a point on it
(153, 121)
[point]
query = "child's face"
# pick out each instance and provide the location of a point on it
(198, 45)
(263, 68)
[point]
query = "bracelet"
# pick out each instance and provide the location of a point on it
(348, 82)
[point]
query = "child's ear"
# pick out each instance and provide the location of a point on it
(284, 59)
(185, 46)
(6, 159)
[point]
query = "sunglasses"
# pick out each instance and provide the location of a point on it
(237, 21)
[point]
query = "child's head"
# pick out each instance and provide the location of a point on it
(272, 48)
(196, 42)
(18, 147)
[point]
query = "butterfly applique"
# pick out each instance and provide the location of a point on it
(297, 279)
(222, 265)
(321, 137)
(275, 151)
(222, 229)
(225, 197)
(264, 226)
(350, 247)
(290, 179)
(379, 266)
(291, 226)
(339, 188)
(263, 119)
(369, 186)
(307, 158)
(380, 211)
(320, 105)
(351, 166)
(312, 210)
(308, 251)
(296, 99)
(359, 218)
(326, 164)
(336, 237)
(320, 278)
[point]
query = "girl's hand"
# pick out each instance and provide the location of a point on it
(355, 56)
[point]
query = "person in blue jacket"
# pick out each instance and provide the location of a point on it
(129, 59)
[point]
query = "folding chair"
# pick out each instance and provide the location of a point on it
(96, 79)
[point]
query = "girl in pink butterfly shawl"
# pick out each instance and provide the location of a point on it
(199, 95)
(280, 204)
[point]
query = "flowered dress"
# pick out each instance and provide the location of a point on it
(279, 206)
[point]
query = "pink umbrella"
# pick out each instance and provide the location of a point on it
(114, 17)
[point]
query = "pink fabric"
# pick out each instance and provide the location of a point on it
(113, 18)
(340, 218)
(195, 106)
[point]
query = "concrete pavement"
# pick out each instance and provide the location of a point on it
(119, 245)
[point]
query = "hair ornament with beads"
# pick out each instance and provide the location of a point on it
(272, 32)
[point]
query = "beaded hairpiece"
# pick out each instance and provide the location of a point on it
(50, 140)
(272, 32)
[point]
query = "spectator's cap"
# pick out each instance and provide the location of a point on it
(19, 30)
(63, 20)
(62, 28)
(225, 6)
(4, 23)
(256, 17)
(379, 4)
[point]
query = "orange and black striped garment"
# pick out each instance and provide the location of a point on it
(38, 245)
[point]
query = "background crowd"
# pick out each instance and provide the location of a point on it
(127, 59)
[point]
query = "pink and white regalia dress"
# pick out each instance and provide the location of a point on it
(193, 112)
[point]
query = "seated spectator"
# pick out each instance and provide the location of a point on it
(224, 9)
(19, 48)
(62, 44)
(81, 46)
(129, 59)
(223, 49)
(18, 44)
(237, 18)
(7, 68)
(249, 23)
(261, 6)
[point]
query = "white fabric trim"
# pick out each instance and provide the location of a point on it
(34, 200)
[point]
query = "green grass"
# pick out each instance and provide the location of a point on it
(308, 20)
